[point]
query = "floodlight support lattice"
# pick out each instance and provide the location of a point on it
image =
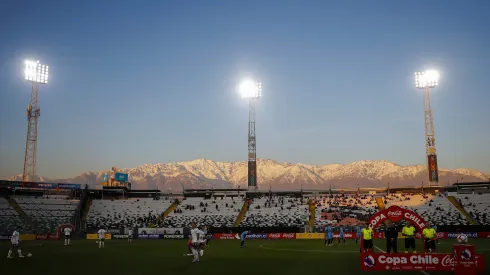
(252, 146)
(33, 113)
(430, 140)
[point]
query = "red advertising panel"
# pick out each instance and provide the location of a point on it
(427, 262)
(224, 236)
(347, 235)
(484, 235)
(281, 236)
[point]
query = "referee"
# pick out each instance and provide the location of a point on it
(391, 236)
(409, 232)
(367, 236)
(430, 235)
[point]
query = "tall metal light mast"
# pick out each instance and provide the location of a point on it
(427, 80)
(35, 73)
(252, 91)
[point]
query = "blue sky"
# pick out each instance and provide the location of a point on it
(136, 82)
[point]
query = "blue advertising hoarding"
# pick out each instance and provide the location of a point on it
(44, 185)
(121, 177)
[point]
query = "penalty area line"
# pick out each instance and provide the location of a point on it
(423, 272)
(305, 250)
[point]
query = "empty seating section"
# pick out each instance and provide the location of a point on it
(344, 209)
(48, 212)
(9, 219)
(477, 205)
(126, 212)
(434, 208)
(276, 211)
(216, 212)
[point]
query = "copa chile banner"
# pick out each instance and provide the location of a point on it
(406, 262)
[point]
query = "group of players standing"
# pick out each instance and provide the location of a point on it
(198, 239)
(391, 235)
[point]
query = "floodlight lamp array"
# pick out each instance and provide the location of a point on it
(250, 89)
(427, 79)
(36, 72)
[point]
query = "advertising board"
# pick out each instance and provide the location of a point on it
(150, 236)
(120, 236)
(122, 177)
(428, 262)
(173, 236)
(310, 236)
(281, 236)
(224, 236)
(96, 236)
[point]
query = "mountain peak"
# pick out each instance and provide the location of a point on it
(206, 173)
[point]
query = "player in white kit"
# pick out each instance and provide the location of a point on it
(101, 234)
(195, 242)
(202, 240)
(15, 240)
(67, 232)
(130, 234)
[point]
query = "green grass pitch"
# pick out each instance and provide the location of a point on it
(150, 257)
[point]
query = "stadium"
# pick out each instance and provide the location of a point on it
(150, 84)
(286, 227)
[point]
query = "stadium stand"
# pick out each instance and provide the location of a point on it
(48, 212)
(10, 218)
(217, 212)
(344, 209)
(477, 205)
(126, 212)
(432, 207)
(276, 211)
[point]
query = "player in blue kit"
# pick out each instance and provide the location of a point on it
(242, 237)
(328, 236)
(341, 234)
(358, 233)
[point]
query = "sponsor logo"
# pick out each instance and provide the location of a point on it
(346, 235)
(41, 236)
(395, 215)
(274, 235)
(414, 259)
(256, 236)
(113, 231)
(4, 237)
(466, 255)
(369, 261)
(277, 236)
(224, 236)
(120, 236)
(173, 236)
(468, 234)
(448, 260)
(142, 236)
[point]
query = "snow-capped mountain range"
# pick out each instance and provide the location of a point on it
(202, 173)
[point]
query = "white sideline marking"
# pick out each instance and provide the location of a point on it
(423, 272)
(305, 250)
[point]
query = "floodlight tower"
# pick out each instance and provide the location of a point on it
(427, 80)
(36, 73)
(252, 91)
